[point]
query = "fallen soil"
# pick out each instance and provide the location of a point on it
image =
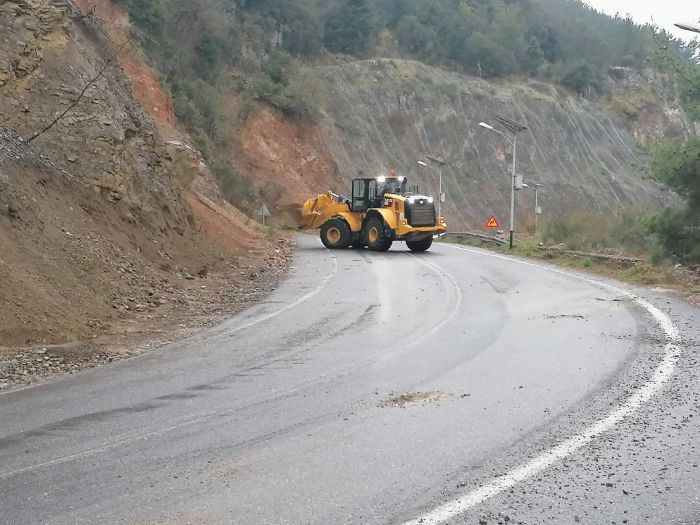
(114, 237)
(192, 303)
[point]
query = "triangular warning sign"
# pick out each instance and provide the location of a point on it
(492, 222)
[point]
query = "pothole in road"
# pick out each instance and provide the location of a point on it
(418, 398)
(567, 316)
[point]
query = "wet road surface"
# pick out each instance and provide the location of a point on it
(376, 388)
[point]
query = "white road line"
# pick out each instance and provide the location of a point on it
(132, 439)
(302, 299)
(459, 298)
(214, 331)
(143, 437)
(540, 463)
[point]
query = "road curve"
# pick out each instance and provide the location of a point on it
(376, 388)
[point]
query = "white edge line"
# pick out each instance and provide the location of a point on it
(205, 417)
(302, 299)
(540, 463)
(225, 333)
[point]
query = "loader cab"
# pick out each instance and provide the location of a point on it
(369, 193)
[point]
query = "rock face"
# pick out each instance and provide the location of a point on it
(384, 114)
(96, 226)
(49, 54)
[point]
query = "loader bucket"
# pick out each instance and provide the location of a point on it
(315, 212)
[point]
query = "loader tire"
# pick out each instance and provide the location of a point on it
(376, 235)
(336, 234)
(420, 246)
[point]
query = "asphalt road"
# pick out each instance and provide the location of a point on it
(380, 388)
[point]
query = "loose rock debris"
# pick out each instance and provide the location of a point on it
(418, 398)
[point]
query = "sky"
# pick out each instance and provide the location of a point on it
(664, 14)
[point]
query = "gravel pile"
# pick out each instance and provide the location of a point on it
(13, 148)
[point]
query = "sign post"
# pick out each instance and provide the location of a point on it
(264, 212)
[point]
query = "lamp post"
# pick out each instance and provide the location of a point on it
(437, 171)
(688, 27)
(514, 127)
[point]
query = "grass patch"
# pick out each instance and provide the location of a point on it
(644, 273)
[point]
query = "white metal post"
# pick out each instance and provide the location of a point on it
(512, 193)
(440, 192)
(537, 207)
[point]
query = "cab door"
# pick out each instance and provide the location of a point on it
(360, 195)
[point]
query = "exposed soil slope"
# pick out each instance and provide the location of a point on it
(286, 160)
(110, 223)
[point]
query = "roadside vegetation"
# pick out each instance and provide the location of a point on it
(623, 246)
(676, 163)
(668, 241)
(218, 58)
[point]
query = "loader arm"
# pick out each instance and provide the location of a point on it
(317, 211)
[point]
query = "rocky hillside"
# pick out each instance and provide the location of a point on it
(386, 114)
(110, 215)
(287, 98)
(378, 115)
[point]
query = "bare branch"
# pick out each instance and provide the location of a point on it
(82, 93)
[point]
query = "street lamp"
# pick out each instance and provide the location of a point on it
(688, 27)
(514, 127)
(437, 171)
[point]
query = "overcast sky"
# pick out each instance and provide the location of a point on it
(663, 13)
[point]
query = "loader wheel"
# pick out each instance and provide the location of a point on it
(376, 236)
(420, 246)
(336, 234)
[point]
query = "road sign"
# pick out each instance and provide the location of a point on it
(493, 222)
(264, 212)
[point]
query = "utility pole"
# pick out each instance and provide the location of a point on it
(440, 163)
(536, 187)
(514, 127)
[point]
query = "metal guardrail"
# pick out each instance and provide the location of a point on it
(479, 236)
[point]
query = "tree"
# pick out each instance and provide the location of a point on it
(583, 79)
(416, 38)
(147, 14)
(530, 56)
(677, 163)
(351, 28)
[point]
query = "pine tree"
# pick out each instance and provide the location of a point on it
(351, 29)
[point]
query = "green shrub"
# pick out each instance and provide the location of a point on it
(288, 85)
(236, 188)
(584, 231)
(146, 14)
(677, 163)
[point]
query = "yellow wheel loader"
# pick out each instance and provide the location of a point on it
(380, 211)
